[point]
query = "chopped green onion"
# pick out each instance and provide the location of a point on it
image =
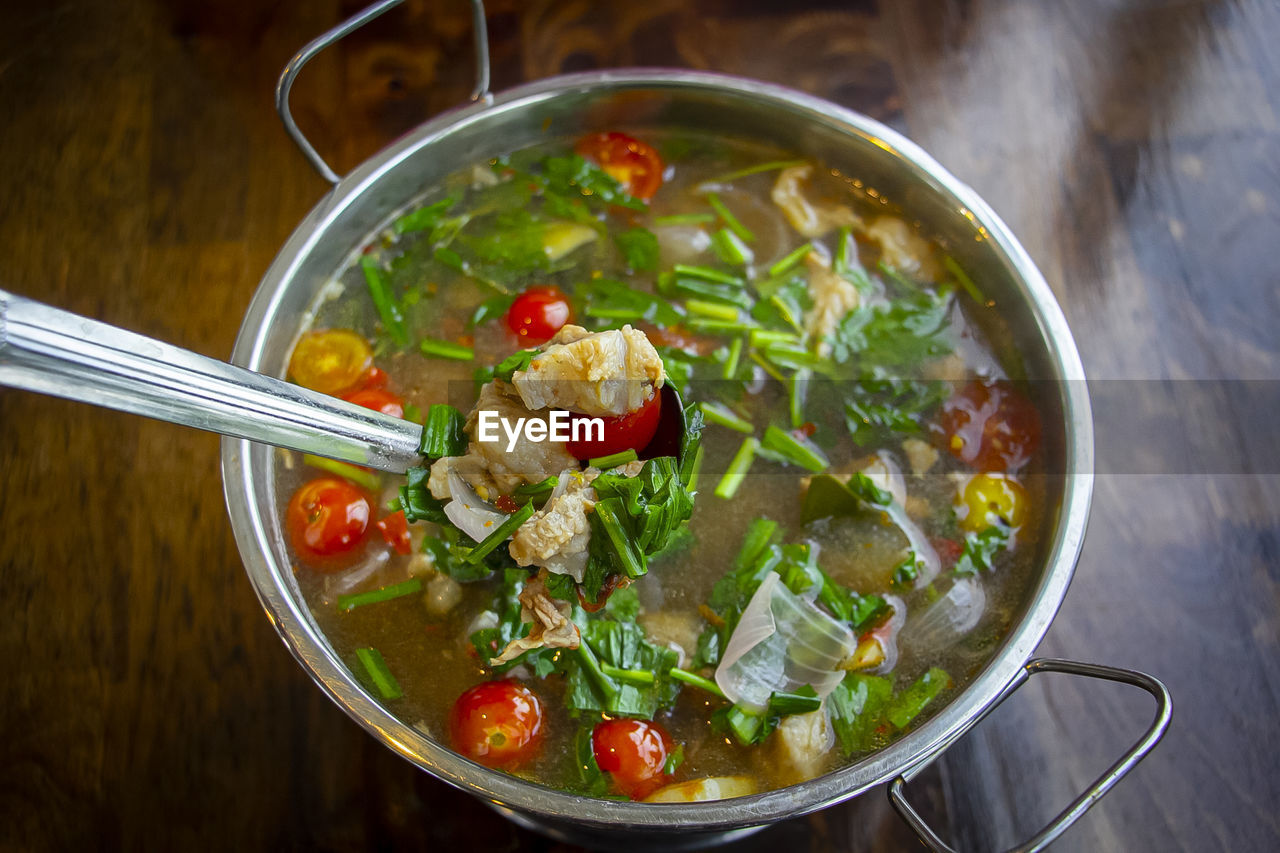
(729, 219)
(628, 676)
(499, 534)
(347, 603)
(632, 565)
(737, 471)
(381, 677)
(718, 327)
(693, 288)
(714, 310)
(691, 485)
(424, 217)
(963, 277)
(844, 260)
(535, 492)
(797, 393)
(368, 480)
(432, 348)
(802, 701)
(708, 274)
(731, 361)
(388, 309)
(802, 452)
(685, 219)
(899, 278)
(771, 166)
(443, 436)
(605, 313)
(765, 337)
(614, 459)
(592, 664)
(724, 416)
(449, 258)
(697, 681)
(789, 260)
(730, 248)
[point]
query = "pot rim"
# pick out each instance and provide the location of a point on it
(911, 751)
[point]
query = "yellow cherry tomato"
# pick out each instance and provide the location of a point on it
(990, 498)
(330, 361)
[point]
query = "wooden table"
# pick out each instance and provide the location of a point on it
(145, 702)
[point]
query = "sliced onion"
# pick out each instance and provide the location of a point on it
(888, 635)
(782, 643)
(681, 243)
(886, 474)
(946, 620)
(468, 513)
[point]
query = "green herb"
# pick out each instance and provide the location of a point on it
(737, 470)
(517, 361)
(674, 760)
(789, 260)
(732, 358)
(613, 460)
(424, 218)
(899, 278)
(685, 219)
(382, 679)
(347, 603)
(845, 259)
(448, 556)
(499, 534)
(576, 176)
(714, 310)
(866, 490)
(639, 248)
(536, 493)
(901, 334)
(961, 276)
(980, 550)
(875, 408)
(443, 435)
(491, 309)
(708, 274)
(609, 646)
(906, 572)
(908, 704)
(616, 300)
(771, 166)
(416, 499)
(433, 348)
(729, 219)
(592, 781)
(383, 300)
(695, 680)
(857, 711)
(719, 414)
(730, 248)
(796, 449)
(368, 480)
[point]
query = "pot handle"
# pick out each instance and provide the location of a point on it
(355, 22)
(1104, 783)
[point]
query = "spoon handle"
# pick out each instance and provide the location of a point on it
(55, 352)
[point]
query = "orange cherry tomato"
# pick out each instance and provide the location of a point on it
(497, 723)
(633, 753)
(990, 426)
(331, 361)
(378, 399)
(327, 517)
(395, 529)
(630, 162)
(632, 431)
(537, 314)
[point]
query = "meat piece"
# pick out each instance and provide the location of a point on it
(921, 455)
(602, 374)
(833, 297)
(812, 219)
(497, 467)
(903, 249)
(556, 537)
(552, 627)
(803, 741)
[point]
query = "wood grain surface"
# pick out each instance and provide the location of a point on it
(1134, 147)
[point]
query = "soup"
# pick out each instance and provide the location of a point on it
(794, 504)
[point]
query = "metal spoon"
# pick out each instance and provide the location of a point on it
(55, 352)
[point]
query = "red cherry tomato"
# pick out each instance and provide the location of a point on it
(380, 400)
(395, 529)
(632, 431)
(630, 162)
(497, 723)
(537, 314)
(990, 426)
(633, 753)
(374, 377)
(327, 517)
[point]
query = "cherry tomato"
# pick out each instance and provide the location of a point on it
(633, 753)
(395, 529)
(630, 162)
(331, 361)
(988, 499)
(497, 723)
(378, 399)
(990, 426)
(537, 314)
(632, 431)
(374, 377)
(326, 517)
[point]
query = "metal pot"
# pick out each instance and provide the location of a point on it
(362, 202)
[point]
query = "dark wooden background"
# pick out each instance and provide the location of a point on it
(145, 703)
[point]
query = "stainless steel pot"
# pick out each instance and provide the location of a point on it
(361, 203)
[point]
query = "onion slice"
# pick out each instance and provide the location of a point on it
(781, 643)
(468, 513)
(946, 620)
